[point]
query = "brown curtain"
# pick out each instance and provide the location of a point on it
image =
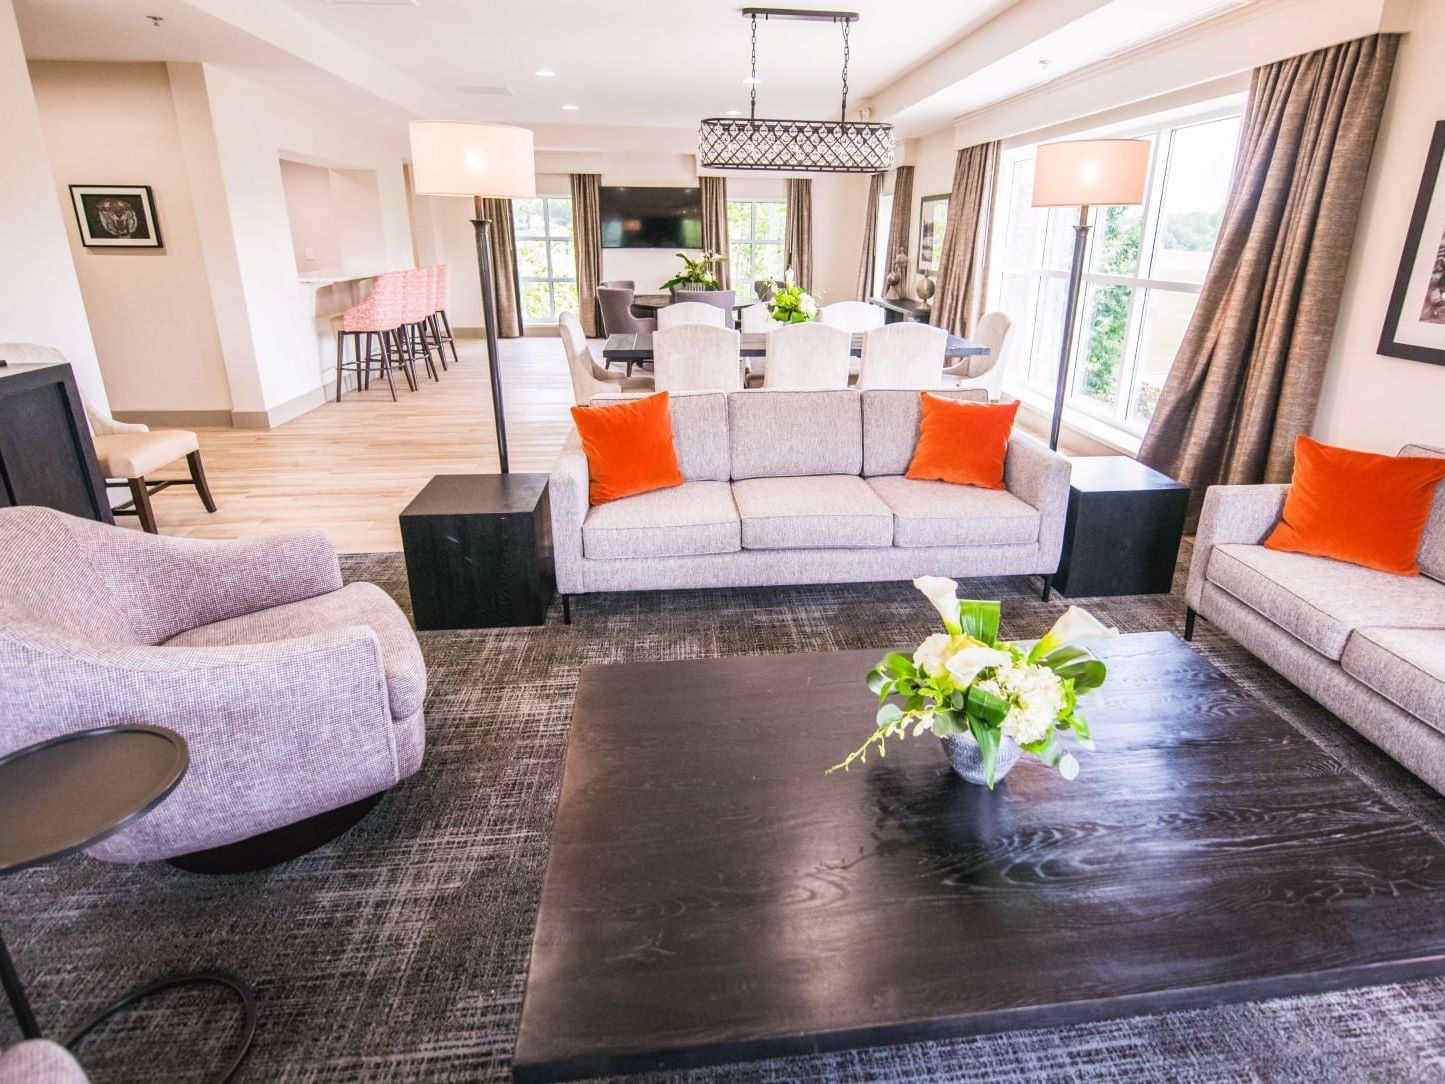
(963, 267)
(899, 220)
(1246, 379)
(715, 223)
(798, 232)
(587, 247)
(869, 260)
(504, 265)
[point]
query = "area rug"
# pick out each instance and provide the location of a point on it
(399, 952)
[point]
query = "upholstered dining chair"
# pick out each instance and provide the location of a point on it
(691, 312)
(757, 318)
(589, 378)
(617, 315)
(851, 316)
(129, 452)
(807, 356)
(300, 699)
(40, 1061)
(984, 370)
(722, 299)
(697, 357)
(903, 355)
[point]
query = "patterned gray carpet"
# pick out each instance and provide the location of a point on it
(399, 952)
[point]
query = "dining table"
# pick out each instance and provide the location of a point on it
(653, 302)
(637, 347)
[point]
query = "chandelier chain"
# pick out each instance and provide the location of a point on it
(753, 85)
(846, 51)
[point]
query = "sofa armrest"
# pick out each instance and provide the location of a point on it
(1231, 514)
(166, 586)
(1040, 478)
(567, 488)
(278, 731)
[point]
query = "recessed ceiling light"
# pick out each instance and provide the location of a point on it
(569, 107)
(735, 112)
(545, 73)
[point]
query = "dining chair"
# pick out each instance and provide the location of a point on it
(619, 284)
(589, 378)
(758, 318)
(984, 370)
(691, 312)
(808, 355)
(697, 357)
(903, 355)
(723, 299)
(852, 316)
(617, 315)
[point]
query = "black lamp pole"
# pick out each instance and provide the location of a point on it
(1071, 312)
(489, 318)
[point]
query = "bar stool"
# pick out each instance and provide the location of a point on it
(415, 308)
(441, 326)
(380, 314)
(428, 327)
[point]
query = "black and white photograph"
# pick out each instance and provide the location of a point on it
(116, 216)
(1415, 320)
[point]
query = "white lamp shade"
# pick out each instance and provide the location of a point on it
(452, 158)
(1096, 172)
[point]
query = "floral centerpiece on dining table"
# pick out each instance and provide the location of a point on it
(989, 700)
(697, 274)
(791, 304)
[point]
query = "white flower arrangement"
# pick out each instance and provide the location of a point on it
(965, 681)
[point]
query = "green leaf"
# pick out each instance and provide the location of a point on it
(980, 619)
(899, 665)
(948, 724)
(888, 713)
(876, 681)
(987, 738)
(1078, 664)
(988, 706)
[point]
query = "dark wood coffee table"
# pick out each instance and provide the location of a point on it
(712, 897)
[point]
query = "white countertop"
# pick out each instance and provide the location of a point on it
(330, 280)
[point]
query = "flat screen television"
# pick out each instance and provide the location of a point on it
(651, 217)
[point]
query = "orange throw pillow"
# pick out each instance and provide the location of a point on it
(629, 448)
(1359, 507)
(961, 442)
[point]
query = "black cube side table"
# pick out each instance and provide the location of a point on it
(479, 551)
(1123, 529)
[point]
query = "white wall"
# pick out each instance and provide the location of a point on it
(1370, 401)
(150, 309)
(40, 299)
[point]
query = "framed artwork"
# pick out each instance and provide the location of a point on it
(1415, 321)
(116, 215)
(932, 218)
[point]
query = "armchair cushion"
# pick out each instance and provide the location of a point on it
(362, 604)
(134, 455)
(40, 1061)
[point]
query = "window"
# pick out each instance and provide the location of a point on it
(882, 258)
(546, 264)
(755, 241)
(1142, 274)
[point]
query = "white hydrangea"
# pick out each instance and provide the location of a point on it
(1038, 697)
(808, 305)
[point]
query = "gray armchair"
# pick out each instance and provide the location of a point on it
(301, 699)
(617, 315)
(39, 1061)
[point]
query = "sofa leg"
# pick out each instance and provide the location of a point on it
(1048, 587)
(279, 845)
(566, 609)
(1189, 616)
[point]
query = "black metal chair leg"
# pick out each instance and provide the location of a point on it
(403, 361)
(566, 610)
(340, 357)
(1189, 616)
(450, 338)
(198, 479)
(1048, 587)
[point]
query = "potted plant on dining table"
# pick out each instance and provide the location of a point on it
(696, 274)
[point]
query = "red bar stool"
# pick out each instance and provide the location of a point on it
(441, 326)
(415, 308)
(428, 327)
(379, 315)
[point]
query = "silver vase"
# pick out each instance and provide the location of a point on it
(967, 761)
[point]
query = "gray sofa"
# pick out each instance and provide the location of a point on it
(797, 487)
(1367, 645)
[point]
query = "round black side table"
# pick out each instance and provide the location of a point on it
(61, 795)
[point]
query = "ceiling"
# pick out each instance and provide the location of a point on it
(621, 63)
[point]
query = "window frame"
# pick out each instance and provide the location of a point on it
(1112, 421)
(744, 290)
(546, 238)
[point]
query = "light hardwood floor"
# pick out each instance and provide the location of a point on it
(351, 467)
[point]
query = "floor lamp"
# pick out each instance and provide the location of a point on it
(1085, 173)
(495, 161)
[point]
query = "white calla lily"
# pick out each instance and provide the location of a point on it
(967, 663)
(1073, 626)
(943, 593)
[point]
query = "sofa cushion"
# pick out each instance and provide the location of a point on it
(890, 425)
(827, 512)
(1321, 601)
(355, 604)
(943, 514)
(782, 433)
(699, 432)
(695, 518)
(1405, 666)
(1431, 557)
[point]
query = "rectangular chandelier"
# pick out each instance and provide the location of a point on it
(795, 146)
